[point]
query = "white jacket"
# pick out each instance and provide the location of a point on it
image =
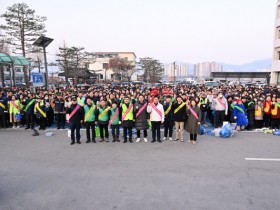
(154, 115)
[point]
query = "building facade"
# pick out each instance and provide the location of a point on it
(275, 71)
(204, 70)
(180, 71)
(99, 64)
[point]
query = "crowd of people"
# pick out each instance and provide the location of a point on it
(186, 107)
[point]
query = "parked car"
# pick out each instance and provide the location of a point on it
(211, 84)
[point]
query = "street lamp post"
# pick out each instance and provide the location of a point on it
(43, 42)
(174, 69)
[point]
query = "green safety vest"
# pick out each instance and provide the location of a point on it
(129, 116)
(91, 117)
(105, 116)
(117, 119)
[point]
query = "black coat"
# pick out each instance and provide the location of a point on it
(78, 116)
(141, 121)
(181, 115)
(250, 112)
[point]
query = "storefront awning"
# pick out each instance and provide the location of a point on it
(15, 60)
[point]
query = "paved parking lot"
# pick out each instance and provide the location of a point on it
(47, 173)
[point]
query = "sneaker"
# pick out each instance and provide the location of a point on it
(176, 140)
(170, 139)
(138, 140)
(18, 126)
(164, 138)
(145, 140)
(14, 127)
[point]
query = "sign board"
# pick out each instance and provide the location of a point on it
(38, 79)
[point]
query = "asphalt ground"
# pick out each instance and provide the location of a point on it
(47, 173)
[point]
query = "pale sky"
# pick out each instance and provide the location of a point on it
(234, 32)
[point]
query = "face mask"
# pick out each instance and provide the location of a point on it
(46, 98)
(221, 96)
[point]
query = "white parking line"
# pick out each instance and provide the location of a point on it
(263, 159)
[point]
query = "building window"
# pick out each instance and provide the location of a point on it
(100, 76)
(278, 55)
(105, 66)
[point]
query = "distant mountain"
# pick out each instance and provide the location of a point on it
(254, 66)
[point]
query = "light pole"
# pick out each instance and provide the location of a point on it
(174, 70)
(43, 42)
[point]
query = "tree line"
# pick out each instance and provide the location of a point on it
(23, 26)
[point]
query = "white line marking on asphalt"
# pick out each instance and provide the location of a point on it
(263, 159)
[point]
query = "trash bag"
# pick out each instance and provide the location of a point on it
(210, 132)
(202, 130)
(226, 131)
(18, 117)
(97, 132)
(277, 132)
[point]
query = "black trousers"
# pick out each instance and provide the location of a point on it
(168, 127)
(75, 129)
(193, 137)
(156, 130)
(275, 123)
(103, 128)
(127, 130)
(267, 120)
(60, 117)
(115, 130)
(42, 122)
(90, 126)
(258, 123)
(219, 118)
(139, 133)
(30, 120)
(3, 120)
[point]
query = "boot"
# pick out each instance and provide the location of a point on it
(114, 138)
(125, 140)
(78, 142)
(118, 139)
(87, 141)
(130, 140)
(93, 140)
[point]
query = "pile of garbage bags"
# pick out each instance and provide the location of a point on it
(226, 131)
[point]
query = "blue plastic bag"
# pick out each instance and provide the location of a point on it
(277, 132)
(226, 131)
(18, 117)
(209, 132)
(202, 130)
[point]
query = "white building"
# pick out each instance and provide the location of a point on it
(275, 71)
(181, 71)
(203, 70)
(100, 64)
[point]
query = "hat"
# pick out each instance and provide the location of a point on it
(74, 98)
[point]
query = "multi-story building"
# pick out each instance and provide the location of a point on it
(203, 70)
(275, 71)
(99, 63)
(180, 71)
